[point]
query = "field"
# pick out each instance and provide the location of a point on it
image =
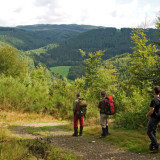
(62, 70)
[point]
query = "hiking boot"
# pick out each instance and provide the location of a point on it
(107, 132)
(81, 131)
(151, 147)
(155, 150)
(103, 135)
(75, 134)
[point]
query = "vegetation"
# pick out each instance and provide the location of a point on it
(36, 36)
(129, 78)
(65, 41)
(41, 92)
(13, 148)
(62, 70)
(112, 40)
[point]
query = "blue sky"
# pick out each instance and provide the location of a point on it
(108, 13)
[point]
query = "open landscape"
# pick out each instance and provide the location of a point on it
(54, 74)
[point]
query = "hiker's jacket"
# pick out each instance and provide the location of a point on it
(101, 105)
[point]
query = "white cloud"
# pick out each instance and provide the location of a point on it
(110, 13)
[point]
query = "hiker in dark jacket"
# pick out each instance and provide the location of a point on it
(76, 117)
(104, 118)
(154, 120)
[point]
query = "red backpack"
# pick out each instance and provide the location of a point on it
(109, 106)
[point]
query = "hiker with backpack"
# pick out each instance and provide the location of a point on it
(79, 110)
(106, 107)
(154, 115)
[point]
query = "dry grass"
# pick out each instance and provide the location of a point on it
(21, 118)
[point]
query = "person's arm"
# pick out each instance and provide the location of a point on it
(150, 112)
(74, 105)
(99, 105)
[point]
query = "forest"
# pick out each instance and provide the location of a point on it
(125, 69)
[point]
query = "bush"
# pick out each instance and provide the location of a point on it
(131, 110)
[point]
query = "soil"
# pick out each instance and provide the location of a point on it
(87, 147)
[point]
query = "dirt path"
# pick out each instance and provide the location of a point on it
(90, 148)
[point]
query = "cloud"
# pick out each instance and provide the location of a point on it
(110, 13)
(44, 3)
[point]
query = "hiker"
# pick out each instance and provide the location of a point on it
(77, 117)
(104, 118)
(154, 120)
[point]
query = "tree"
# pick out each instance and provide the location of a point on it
(92, 64)
(11, 63)
(99, 75)
(143, 59)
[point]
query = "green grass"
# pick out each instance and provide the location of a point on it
(130, 140)
(62, 70)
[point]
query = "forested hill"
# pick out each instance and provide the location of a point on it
(59, 44)
(71, 27)
(36, 36)
(113, 41)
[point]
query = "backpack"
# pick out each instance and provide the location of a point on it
(81, 108)
(109, 106)
(158, 112)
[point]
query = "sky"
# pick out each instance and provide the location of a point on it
(107, 13)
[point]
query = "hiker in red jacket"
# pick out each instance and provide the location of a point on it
(104, 118)
(76, 117)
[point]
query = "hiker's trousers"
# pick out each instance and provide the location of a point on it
(151, 131)
(104, 118)
(76, 118)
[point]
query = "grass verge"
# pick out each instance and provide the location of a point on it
(130, 140)
(28, 149)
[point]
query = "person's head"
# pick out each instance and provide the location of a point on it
(156, 90)
(103, 93)
(78, 94)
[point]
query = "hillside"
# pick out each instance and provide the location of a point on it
(71, 27)
(36, 36)
(64, 42)
(112, 40)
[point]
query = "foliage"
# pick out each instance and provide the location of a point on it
(143, 59)
(76, 72)
(134, 94)
(11, 64)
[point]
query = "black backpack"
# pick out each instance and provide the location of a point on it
(158, 112)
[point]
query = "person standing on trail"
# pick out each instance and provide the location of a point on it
(154, 120)
(77, 117)
(104, 118)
